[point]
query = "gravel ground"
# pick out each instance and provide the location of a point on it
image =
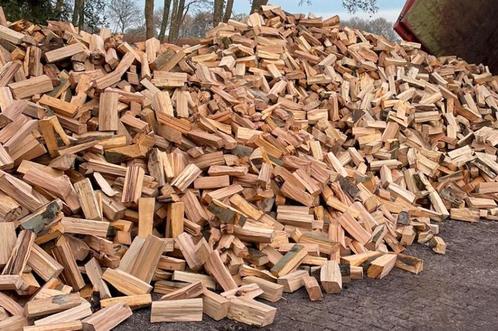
(457, 291)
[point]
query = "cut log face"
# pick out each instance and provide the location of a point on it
(283, 152)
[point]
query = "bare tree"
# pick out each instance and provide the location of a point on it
(123, 14)
(78, 12)
(222, 12)
(196, 26)
(165, 20)
(228, 11)
(218, 11)
(180, 9)
(149, 19)
(177, 19)
(379, 26)
(353, 6)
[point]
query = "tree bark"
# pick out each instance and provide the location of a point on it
(228, 11)
(149, 18)
(76, 12)
(176, 24)
(164, 22)
(218, 12)
(174, 12)
(59, 5)
(81, 15)
(258, 3)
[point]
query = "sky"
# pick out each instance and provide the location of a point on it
(388, 9)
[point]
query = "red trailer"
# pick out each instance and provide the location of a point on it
(467, 28)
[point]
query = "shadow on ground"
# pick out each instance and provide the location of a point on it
(457, 291)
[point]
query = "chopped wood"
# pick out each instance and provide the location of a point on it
(186, 310)
(214, 305)
(299, 154)
(133, 301)
(108, 317)
(125, 282)
(42, 307)
(330, 277)
(381, 266)
(251, 312)
(313, 288)
(271, 291)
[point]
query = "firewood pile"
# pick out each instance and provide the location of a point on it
(279, 153)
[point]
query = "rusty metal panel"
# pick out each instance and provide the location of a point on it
(465, 28)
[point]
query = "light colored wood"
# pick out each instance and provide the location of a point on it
(65, 326)
(43, 264)
(214, 305)
(190, 291)
(13, 323)
(88, 200)
(7, 241)
(330, 277)
(313, 288)
(11, 305)
(108, 111)
(186, 177)
(214, 265)
(289, 261)
(107, 318)
(381, 266)
(133, 301)
(292, 281)
(59, 106)
(175, 219)
(19, 254)
(125, 282)
(94, 273)
(11, 35)
(64, 52)
(146, 208)
(132, 188)
(70, 315)
(147, 259)
(189, 277)
(251, 312)
(84, 227)
(187, 310)
(43, 307)
(271, 291)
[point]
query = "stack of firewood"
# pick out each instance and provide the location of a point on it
(279, 153)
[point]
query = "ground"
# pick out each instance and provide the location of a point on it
(457, 291)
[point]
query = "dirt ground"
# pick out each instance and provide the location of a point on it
(457, 291)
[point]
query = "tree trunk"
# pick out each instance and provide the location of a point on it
(59, 6)
(149, 18)
(174, 12)
(257, 3)
(228, 11)
(175, 28)
(123, 26)
(218, 12)
(164, 23)
(76, 12)
(81, 15)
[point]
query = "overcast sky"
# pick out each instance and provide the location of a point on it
(389, 9)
